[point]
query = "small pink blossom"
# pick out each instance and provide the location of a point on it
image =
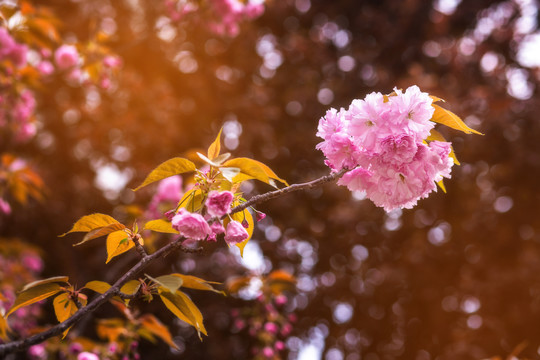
(87, 356)
(37, 352)
(260, 215)
(111, 61)
(66, 56)
(32, 262)
(219, 203)
(271, 327)
(191, 225)
(268, 352)
(235, 233)
(5, 208)
(45, 68)
(279, 345)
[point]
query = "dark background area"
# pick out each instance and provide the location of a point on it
(457, 277)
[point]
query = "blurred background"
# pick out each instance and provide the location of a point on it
(457, 277)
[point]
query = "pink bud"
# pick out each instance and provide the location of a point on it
(279, 345)
(87, 356)
(280, 300)
(235, 233)
(245, 224)
(45, 68)
(260, 215)
(286, 330)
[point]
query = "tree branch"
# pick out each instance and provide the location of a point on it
(146, 260)
(294, 187)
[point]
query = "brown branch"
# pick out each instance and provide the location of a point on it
(146, 260)
(294, 187)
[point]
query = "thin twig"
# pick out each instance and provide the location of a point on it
(294, 187)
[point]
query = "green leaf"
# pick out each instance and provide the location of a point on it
(166, 169)
(193, 282)
(184, 309)
(91, 222)
(448, 118)
(98, 286)
(118, 243)
(35, 294)
(168, 282)
(106, 230)
(215, 147)
(161, 226)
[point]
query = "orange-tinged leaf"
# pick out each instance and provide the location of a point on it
(248, 167)
(215, 147)
(156, 327)
(111, 329)
(57, 279)
(106, 230)
(4, 329)
(118, 243)
(161, 226)
(97, 286)
(435, 99)
(271, 174)
(280, 280)
(166, 169)
(236, 284)
(448, 118)
(90, 222)
(184, 309)
(34, 294)
(64, 308)
(193, 282)
(437, 136)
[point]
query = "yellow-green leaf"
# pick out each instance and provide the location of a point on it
(34, 294)
(56, 279)
(161, 226)
(118, 243)
(192, 200)
(131, 287)
(193, 282)
(106, 230)
(166, 169)
(448, 118)
(97, 286)
(248, 167)
(156, 327)
(184, 309)
(215, 147)
(91, 222)
(168, 282)
(437, 136)
(271, 174)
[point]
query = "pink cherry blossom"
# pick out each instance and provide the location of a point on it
(87, 356)
(191, 225)
(66, 56)
(383, 140)
(235, 233)
(45, 68)
(219, 203)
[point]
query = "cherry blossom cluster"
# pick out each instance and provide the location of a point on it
(195, 226)
(16, 105)
(225, 15)
(383, 141)
(266, 322)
